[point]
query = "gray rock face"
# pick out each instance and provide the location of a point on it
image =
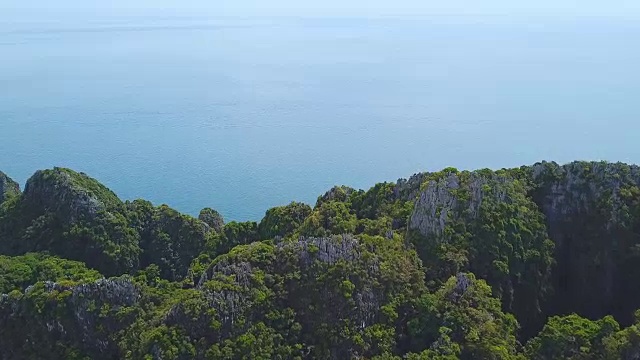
(577, 188)
(327, 249)
(75, 217)
(232, 304)
(588, 219)
(241, 271)
(82, 323)
(116, 291)
(409, 189)
(212, 218)
(439, 204)
(54, 190)
(462, 284)
(434, 205)
(8, 187)
(588, 211)
(229, 304)
(336, 193)
(484, 215)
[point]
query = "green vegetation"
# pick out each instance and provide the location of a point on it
(212, 218)
(8, 188)
(283, 220)
(234, 234)
(489, 227)
(19, 272)
(538, 262)
(73, 216)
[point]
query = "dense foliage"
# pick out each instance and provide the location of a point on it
(538, 262)
(73, 216)
(485, 223)
(8, 188)
(283, 220)
(19, 272)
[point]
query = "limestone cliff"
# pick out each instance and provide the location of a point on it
(589, 210)
(485, 223)
(74, 196)
(73, 216)
(8, 187)
(449, 264)
(212, 218)
(85, 317)
(592, 213)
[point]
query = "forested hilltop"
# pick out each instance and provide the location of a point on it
(537, 262)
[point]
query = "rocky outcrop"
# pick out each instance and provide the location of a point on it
(241, 287)
(409, 189)
(463, 282)
(327, 250)
(336, 193)
(361, 306)
(592, 213)
(451, 199)
(567, 193)
(283, 221)
(71, 195)
(73, 216)
(8, 187)
(473, 236)
(170, 239)
(85, 317)
(212, 218)
(484, 222)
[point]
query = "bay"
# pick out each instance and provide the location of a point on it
(245, 113)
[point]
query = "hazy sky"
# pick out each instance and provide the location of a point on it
(624, 8)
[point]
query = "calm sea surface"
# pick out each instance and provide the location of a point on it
(242, 114)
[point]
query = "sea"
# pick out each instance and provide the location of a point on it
(243, 113)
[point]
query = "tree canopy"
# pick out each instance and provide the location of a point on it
(536, 262)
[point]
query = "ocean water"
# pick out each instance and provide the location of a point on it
(245, 113)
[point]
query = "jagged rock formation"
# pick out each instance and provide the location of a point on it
(168, 239)
(86, 318)
(458, 215)
(74, 196)
(73, 216)
(315, 299)
(429, 267)
(589, 211)
(336, 193)
(409, 189)
(592, 213)
(283, 221)
(212, 218)
(8, 188)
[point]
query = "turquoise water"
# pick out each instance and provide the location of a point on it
(245, 113)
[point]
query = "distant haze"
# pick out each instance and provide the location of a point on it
(244, 105)
(626, 8)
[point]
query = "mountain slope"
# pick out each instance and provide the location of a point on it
(447, 265)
